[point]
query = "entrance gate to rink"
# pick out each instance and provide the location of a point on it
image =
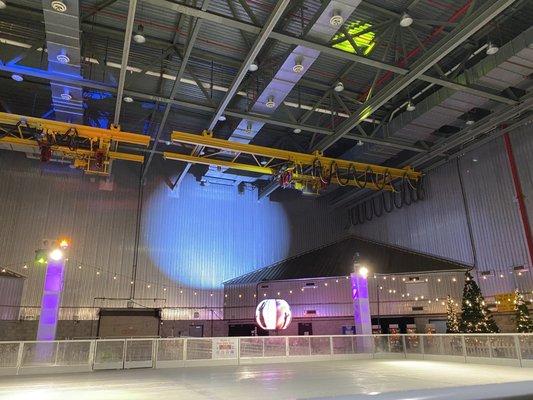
(105, 354)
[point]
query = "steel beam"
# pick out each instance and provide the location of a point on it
(220, 19)
(184, 60)
(439, 51)
(187, 10)
(264, 34)
(125, 57)
(453, 40)
(41, 74)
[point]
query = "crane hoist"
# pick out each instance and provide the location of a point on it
(291, 169)
(89, 148)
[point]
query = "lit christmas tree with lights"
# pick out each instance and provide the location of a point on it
(452, 319)
(475, 316)
(524, 324)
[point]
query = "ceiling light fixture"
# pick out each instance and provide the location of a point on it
(298, 65)
(339, 87)
(270, 103)
(491, 49)
(66, 96)
(360, 143)
(58, 6)
(139, 35)
(17, 77)
(336, 18)
(253, 66)
(128, 99)
(297, 130)
(62, 58)
(222, 118)
(406, 20)
(410, 106)
(470, 121)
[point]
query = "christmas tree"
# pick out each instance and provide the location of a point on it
(475, 316)
(524, 324)
(452, 320)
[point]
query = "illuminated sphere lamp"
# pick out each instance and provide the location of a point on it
(64, 243)
(139, 37)
(273, 314)
(339, 87)
(363, 271)
(406, 20)
(56, 254)
(491, 49)
(253, 66)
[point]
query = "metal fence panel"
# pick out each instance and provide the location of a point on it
(275, 346)
(199, 349)
(170, 350)
(9, 354)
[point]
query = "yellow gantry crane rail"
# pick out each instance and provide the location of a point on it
(86, 132)
(88, 147)
(282, 162)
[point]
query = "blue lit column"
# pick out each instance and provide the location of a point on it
(51, 300)
(361, 304)
(361, 307)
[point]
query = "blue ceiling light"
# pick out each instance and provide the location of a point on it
(17, 77)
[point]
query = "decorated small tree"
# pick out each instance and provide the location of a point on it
(452, 320)
(524, 324)
(475, 316)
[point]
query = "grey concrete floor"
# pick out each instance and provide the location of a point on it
(274, 381)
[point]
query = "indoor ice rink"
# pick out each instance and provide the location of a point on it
(266, 199)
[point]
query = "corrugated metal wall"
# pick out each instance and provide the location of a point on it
(438, 225)
(190, 243)
(10, 296)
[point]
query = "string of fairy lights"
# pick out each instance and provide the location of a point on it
(22, 268)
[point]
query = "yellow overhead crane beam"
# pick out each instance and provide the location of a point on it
(88, 147)
(86, 132)
(291, 168)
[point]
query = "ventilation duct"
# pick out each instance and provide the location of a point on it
(62, 27)
(291, 71)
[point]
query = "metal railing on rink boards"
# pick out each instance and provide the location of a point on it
(88, 355)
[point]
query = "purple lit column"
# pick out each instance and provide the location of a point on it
(361, 308)
(53, 286)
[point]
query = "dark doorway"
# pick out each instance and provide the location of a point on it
(246, 330)
(305, 328)
(128, 322)
(196, 330)
(402, 323)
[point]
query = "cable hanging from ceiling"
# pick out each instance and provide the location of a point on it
(405, 193)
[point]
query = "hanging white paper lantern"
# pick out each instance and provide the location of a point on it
(273, 314)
